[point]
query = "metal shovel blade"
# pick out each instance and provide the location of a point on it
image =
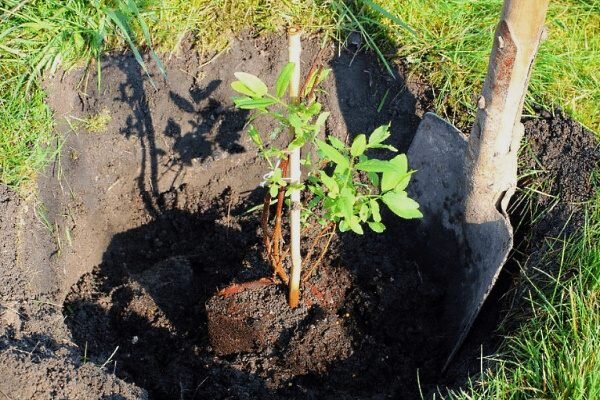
(437, 153)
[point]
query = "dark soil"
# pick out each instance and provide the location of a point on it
(566, 154)
(147, 223)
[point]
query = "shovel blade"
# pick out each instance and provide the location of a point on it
(438, 153)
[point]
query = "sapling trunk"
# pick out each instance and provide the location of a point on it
(295, 48)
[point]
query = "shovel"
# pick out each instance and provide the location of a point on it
(464, 184)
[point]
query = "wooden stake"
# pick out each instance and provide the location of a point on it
(294, 49)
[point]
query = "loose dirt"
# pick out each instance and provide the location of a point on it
(109, 276)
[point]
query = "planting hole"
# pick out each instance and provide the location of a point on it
(159, 203)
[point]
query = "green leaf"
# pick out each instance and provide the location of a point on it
(401, 205)
(241, 88)
(295, 187)
(247, 103)
(329, 204)
(332, 154)
(253, 83)
(255, 136)
(343, 226)
(316, 190)
(364, 212)
(314, 202)
(403, 183)
(377, 227)
(391, 179)
(273, 190)
(312, 79)
(273, 152)
(401, 162)
(379, 135)
(374, 178)
(283, 80)
(277, 176)
(376, 166)
(375, 210)
(336, 143)
(355, 225)
(345, 204)
(340, 169)
(296, 143)
(359, 145)
(323, 75)
(383, 146)
(331, 185)
(320, 122)
(313, 109)
(295, 121)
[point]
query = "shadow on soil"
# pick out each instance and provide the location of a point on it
(369, 97)
(37, 347)
(214, 128)
(145, 302)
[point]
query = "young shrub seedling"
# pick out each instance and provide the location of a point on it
(345, 187)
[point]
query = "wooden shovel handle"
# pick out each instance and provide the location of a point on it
(497, 130)
(516, 42)
(526, 18)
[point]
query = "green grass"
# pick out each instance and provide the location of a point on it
(26, 138)
(211, 23)
(453, 39)
(95, 123)
(555, 353)
(38, 37)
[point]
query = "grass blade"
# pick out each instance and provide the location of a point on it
(387, 14)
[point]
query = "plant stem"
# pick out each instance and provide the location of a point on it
(265, 223)
(276, 250)
(294, 49)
